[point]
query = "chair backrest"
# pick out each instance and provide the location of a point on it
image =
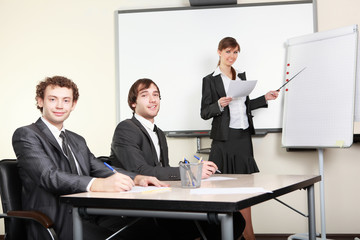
(10, 192)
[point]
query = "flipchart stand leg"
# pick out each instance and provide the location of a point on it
(322, 194)
(322, 202)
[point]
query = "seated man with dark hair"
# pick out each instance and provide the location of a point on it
(140, 146)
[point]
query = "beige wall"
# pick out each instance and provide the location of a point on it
(76, 39)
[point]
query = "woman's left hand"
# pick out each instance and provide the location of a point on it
(272, 95)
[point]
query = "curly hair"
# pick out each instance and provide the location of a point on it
(56, 81)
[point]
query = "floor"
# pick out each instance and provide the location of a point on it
(328, 236)
(285, 237)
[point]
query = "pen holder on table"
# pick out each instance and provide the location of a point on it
(190, 174)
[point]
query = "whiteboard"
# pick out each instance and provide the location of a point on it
(177, 47)
(319, 103)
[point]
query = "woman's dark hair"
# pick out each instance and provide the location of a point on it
(229, 42)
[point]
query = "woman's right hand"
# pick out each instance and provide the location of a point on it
(224, 101)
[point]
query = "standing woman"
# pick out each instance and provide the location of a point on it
(232, 125)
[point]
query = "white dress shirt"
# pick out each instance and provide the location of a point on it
(149, 126)
(238, 117)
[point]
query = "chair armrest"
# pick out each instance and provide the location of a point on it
(35, 215)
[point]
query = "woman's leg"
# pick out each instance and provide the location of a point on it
(248, 231)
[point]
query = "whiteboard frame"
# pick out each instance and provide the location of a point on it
(200, 132)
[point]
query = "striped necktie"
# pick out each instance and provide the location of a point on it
(68, 153)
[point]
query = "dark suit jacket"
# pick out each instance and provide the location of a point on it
(212, 91)
(46, 174)
(133, 150)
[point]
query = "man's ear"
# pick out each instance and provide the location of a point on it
(133, 105)
(40, 102)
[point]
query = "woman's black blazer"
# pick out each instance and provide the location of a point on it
(212, 91)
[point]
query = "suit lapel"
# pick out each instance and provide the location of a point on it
(141, 127)
(40, 127)
(242, 76)
(219, 85)
(137, 123)
(75, 148)
(162, 143)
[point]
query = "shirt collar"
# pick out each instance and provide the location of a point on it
(54, 130)
(218, 71)
(146, 123)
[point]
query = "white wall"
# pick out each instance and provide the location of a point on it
(76, 39)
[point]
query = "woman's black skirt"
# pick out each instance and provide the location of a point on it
(234, 156)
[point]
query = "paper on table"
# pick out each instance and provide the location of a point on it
(149, 189)
(215, 178)
(244, 190)
(239, 89)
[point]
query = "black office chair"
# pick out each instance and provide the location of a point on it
(14, 217)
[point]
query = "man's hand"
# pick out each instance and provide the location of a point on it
(115, 183)
(145, 181)
(208, 169)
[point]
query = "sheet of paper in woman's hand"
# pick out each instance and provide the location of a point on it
(240, 88)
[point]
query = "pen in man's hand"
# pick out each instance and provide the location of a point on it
(200, 160)
(110, 167)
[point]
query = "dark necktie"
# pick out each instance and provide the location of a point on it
(157, 133)
(67, 152)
